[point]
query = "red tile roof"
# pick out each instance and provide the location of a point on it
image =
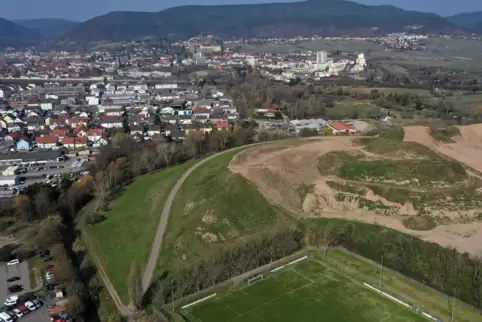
(59, 132)
(341, 126)
(97, 132)
(222, 125)
(74, 140)
(46, 139)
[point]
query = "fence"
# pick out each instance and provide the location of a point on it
(235, 281)
(266, 269)
(408, 279)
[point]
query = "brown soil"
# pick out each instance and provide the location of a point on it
(279, 171)
(467, 148)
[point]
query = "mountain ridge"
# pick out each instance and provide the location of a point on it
(471, 20)
(16, 35)
(329, 17)
(50, 28)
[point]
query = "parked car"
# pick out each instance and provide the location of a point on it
(50, 286)
(48, 267)
(30, 306)
(11, 300)
(45, 258)
(37, 303)
(13, 262)
(18, 313)
(23, 309)
(15, 288)
(3, 308)
(13, 279)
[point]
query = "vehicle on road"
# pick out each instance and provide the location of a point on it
(3, 308)
(13, 262)
(15, 288)
(18, 313)
(45, 258)
(13, 279)
(11, 300)
(50, 286)
(48, 267)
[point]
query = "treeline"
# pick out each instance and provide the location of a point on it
(224, 263)
(46, 214)
(441, 268)
(124, 159)
(300, 101)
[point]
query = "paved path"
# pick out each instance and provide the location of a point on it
(161, 228)
(128, 311)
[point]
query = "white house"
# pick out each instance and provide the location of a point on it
(46, 106)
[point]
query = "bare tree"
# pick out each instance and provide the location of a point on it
(63, 270)
(166, 151)
(43, 205)
(135, 285)
(331, 234)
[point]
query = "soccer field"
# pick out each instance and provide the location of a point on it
(304, 292)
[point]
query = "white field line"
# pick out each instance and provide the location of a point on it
(199, 301)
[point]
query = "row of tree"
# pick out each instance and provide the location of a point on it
(443, 269)
(223, 263)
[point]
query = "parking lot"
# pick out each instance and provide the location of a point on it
(20, 270)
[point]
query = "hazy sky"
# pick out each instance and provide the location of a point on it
(86, 9)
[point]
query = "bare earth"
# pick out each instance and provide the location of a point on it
(279, 171)
(466, 150)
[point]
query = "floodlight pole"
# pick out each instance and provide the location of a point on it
(172, 296)
(453, 306)
(381, 272)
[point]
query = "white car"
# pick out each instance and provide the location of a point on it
(18, 313)
(13, 262)
(29, 305)
(11, 300)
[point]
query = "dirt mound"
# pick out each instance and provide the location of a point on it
(467, 148)
(288, 176)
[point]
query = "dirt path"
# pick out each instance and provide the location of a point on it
(166, 211)
(123, 310)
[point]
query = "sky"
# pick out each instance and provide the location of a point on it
(86, 9)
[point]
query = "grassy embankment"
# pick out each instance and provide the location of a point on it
(127, 233)
(214, 206)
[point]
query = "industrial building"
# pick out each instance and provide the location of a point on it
(9, 180)
(31, 157)
(10, 171)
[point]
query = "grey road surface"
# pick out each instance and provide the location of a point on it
(166, 211)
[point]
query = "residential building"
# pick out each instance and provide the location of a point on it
(74, 142)
(47, 142)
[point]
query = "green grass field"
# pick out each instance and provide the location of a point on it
(127, 233)
(307, 291)
(214, 206)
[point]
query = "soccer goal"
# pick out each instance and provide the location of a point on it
(255, 279)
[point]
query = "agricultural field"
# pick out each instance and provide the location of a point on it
(314, 289)
(215, 206)
(126, 234)
(316, 45)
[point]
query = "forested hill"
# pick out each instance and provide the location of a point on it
(15, 35)
(324, 17)
(49, 28)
